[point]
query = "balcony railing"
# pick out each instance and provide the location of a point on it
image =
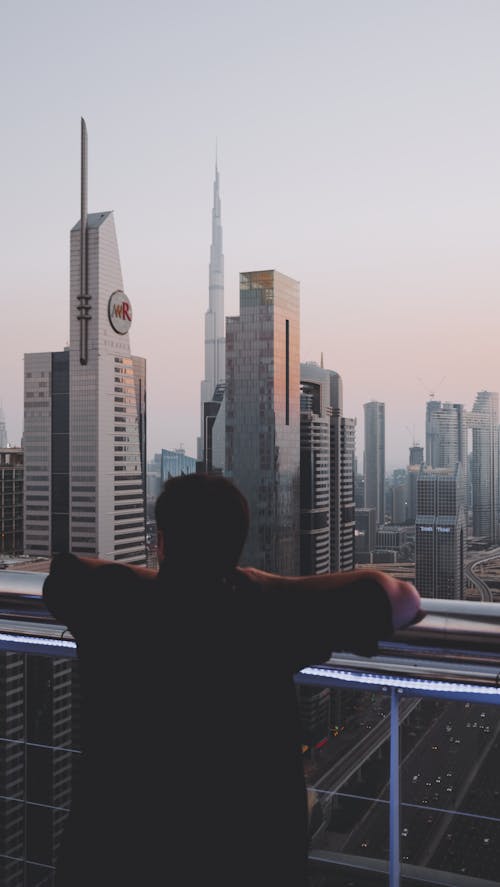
(400, 750)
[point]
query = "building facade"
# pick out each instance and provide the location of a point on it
(440, 531)
(374, 468)
(11, 500)
(263, 416)
(85, 413)
(211, 448)
(484, 464)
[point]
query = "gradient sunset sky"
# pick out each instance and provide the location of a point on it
(359, 153)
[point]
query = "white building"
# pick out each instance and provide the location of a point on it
(84, 426)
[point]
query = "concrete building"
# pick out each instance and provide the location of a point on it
(263, 416)
(85, 412)
(374, 469)
(11, 500)
(440, 532)
(211, 445)
(416, 455)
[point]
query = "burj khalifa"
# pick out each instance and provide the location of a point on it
(211, 440)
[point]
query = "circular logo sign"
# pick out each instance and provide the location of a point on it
(120, 312)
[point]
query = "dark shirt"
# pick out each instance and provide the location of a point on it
(192, 771)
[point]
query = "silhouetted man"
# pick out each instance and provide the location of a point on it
(192, 771)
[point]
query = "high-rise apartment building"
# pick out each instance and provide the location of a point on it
(374, 468)
(314, 480)
(440, 532)
(263, 416)
(447, 424)
(485, 476)
(85, 412)
(321, 406)
(211, 448)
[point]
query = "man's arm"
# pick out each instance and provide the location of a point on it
(143, 572)
(67, 590)
(403, 597)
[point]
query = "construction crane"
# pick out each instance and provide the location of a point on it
(431, 393)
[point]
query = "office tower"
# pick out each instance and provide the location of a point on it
(375, 458)
(411, 492)
(211, 448)
(484, 422)
(447, 423)
(85, 412)
(175, 462)
(366, 528)
(416, 455)
(263, 416)
(440, 532)
(398, 501)
(11, 500)
(46, 453)
(3, 430)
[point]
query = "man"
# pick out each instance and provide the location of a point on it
(191, 771)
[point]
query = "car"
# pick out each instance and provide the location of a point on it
(404, 833)
(438, 779)
(449, 788)
(486, 840)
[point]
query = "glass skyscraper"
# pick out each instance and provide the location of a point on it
(375, 458)
(263, 416)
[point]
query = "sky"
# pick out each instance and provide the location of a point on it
(359, 153)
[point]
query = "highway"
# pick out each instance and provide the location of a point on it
(449, 766)
(472, 561)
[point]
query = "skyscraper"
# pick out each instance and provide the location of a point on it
(375, 458)
(447, 424)
(484, 422)
(440, 532)
(84, 431)
(321, 404)
(211, 455)
(263, 416)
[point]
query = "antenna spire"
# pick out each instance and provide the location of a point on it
(83, 298)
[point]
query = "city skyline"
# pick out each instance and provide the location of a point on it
(366, 176)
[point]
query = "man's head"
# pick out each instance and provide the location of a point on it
(202, 523)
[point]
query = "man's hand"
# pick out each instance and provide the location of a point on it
(403, 598)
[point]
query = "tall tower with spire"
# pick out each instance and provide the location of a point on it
(85, 411)
(211, 440)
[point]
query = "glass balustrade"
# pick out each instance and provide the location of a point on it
(400, 750)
